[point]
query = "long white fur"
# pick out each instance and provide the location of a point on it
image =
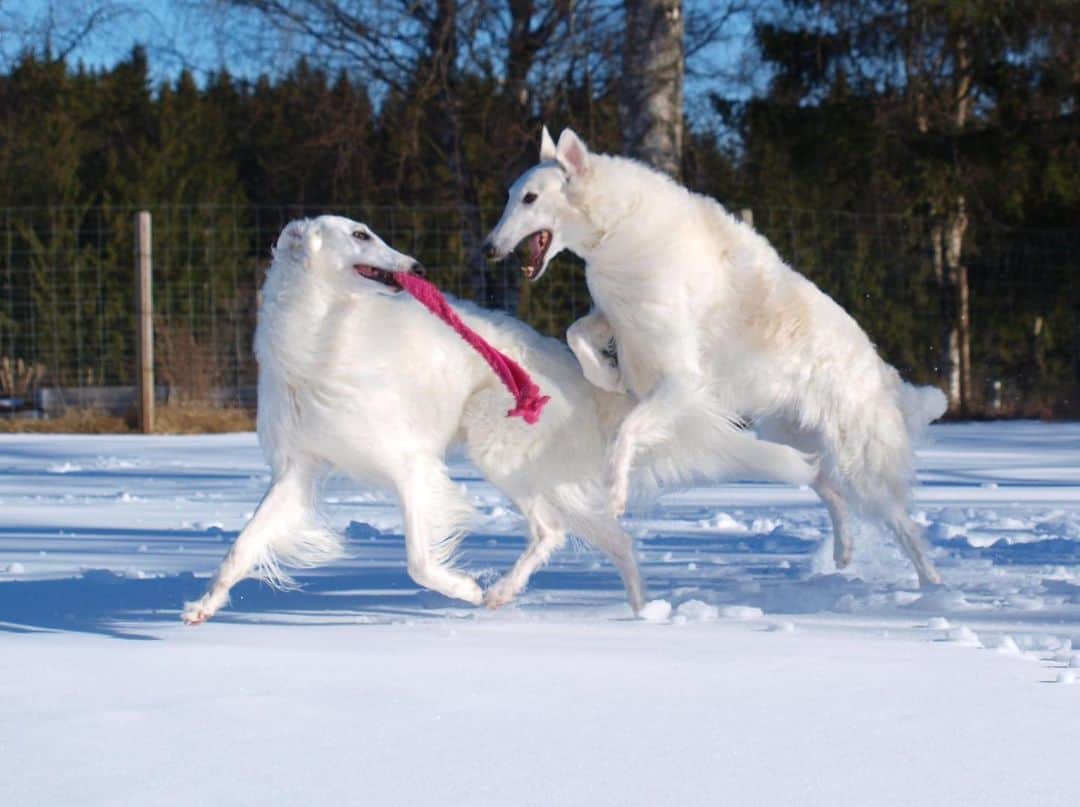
(714, 331)
(356, 378)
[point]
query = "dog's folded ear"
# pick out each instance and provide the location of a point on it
(572, 152)
(300, 239)
(547, 147)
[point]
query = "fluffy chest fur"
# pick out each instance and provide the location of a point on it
(361, 378)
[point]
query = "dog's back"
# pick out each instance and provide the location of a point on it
(567, 444)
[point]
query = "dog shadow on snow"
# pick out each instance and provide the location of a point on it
(111, 597)
(772, 571)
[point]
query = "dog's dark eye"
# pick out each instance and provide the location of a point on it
(361, 235)
(529, 198)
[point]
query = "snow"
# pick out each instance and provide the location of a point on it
(656, 611)
(698, 611)
(760, 676)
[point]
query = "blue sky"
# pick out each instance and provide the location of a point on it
(181, 34)
(176, 34)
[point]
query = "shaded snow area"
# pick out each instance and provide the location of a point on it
(756, 675)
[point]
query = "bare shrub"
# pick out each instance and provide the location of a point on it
(188, 366)
(18, 379)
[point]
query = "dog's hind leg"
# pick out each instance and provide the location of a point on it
(543, 541)
(910, 537)
(781, 430)
(592, 339)
(612, 540)
(285, 507)
(843, 546)
(436, 516)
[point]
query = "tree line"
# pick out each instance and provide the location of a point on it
(918, 159)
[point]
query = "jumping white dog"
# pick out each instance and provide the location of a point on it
(712, 330)
(357, 378)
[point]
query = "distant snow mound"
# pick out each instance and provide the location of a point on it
(941, 600)
(698, 611)
(656, 611)
(741, 612)
(964, 636)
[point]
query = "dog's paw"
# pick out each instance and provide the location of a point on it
(499, 594)
(470, 591)
(195, 613)
(605, 377)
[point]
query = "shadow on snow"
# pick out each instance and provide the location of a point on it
(772, 571)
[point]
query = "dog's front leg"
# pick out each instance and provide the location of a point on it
(592, 339)
(436, 514)
(283, 507)
(649, 424)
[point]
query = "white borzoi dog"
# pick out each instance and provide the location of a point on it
(710, 325)
(355, 377)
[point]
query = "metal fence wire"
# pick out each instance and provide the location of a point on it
(67, 310)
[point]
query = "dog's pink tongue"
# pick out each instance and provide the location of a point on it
(526, 394)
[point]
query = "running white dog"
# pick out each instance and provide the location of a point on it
(710, 326)
(358, 378)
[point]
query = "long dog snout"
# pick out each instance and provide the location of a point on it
(489, 250)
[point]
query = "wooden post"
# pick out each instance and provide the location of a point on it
(144, 323)
(747, 216)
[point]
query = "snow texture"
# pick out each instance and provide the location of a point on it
(757, 675)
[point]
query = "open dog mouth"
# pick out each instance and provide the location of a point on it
(532, 251)
(377, 274)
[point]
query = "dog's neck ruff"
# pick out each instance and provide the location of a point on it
(526, 394)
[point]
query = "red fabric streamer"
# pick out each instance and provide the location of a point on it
(526, 394)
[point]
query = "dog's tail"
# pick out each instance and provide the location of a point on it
(921, 406)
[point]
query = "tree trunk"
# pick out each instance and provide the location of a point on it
(957, 227)
(948, 236)
(651, 96)
(952, 277)
(441, 70)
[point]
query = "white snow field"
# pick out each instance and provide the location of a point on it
(758, 677)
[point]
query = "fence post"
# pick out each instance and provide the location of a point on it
(747, 216)
(144, 323)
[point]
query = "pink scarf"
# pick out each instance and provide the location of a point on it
(526, 394)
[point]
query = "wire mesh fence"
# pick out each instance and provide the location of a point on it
(67, 313)
(1023, 292)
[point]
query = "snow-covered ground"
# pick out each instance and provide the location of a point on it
(764, 678)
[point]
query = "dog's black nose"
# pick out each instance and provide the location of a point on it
(417, 269)
(488, 249)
